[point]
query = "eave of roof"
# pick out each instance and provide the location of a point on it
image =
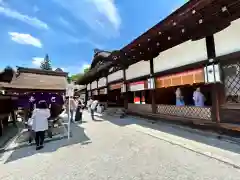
(196, 19)
(100, 56)
(94, 73)
(41, 71)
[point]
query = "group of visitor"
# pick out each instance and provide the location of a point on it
(198, 98)
(76, 106)
(40, 113)
(92, 106)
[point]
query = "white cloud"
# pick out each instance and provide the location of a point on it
(100, 15)
(33, 21)
(84, 66)
(25, 39)
(110, 11)
(37, 61)
(66, 24)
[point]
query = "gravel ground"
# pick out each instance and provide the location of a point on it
(101, 150)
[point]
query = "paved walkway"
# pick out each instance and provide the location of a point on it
(126, 149)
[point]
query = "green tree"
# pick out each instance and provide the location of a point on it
(46, 64)
(86, 70)
(76, 77)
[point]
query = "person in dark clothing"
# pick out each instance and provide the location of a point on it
(55, 110)
(78, 115)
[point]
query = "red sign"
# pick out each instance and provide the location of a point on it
(137, 86)
(115, 86)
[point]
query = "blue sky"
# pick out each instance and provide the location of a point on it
(69, 30)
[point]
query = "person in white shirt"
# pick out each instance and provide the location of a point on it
(89, 103)
(93, 108)
(73, 107)
(40, 122)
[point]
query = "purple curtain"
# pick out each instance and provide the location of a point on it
(25, 100)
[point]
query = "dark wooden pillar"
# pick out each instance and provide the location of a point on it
(91, 94)
(86, 95)
(125, 94)
(215, 88)
(107, 86)
(97, 91)
(153, 91)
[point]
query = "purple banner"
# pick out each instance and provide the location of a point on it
(24, 101)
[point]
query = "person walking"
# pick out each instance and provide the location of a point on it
(29, 123)
(89, 103)
(78, 115)
(93, 108)
(73, 107)
(40, 122)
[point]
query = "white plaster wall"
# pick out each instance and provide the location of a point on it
(228, 40)
(94, 85)
(115, 76)
(138, 69)
(102, 82)
(88, 87)
(186, 53)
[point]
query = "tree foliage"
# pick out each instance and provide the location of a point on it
(86, 70)
(75, 77)
(46, 64)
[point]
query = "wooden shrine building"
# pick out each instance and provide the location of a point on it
(36, 80)
(196, 46)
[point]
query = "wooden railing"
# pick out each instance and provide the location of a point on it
(185, 111)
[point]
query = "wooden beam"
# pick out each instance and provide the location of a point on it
(215, 88)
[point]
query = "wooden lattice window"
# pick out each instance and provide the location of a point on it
(231, 74)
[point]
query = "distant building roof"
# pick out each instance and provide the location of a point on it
(58, 70)
(37, 79)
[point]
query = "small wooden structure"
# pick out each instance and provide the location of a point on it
(36, 80)
(6, 101)
(30, 85)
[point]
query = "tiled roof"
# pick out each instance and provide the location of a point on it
(37, 79)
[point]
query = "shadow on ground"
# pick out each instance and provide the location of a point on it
(9, 133)
(78, 137)
(177, 130)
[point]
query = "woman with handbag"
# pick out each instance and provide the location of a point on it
(40, 123)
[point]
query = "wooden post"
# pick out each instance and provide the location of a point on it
(98, 98)
(125, 93)
(215, 91)
(107, 90)
(90, 89)
(86, 95)
(153, 91)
